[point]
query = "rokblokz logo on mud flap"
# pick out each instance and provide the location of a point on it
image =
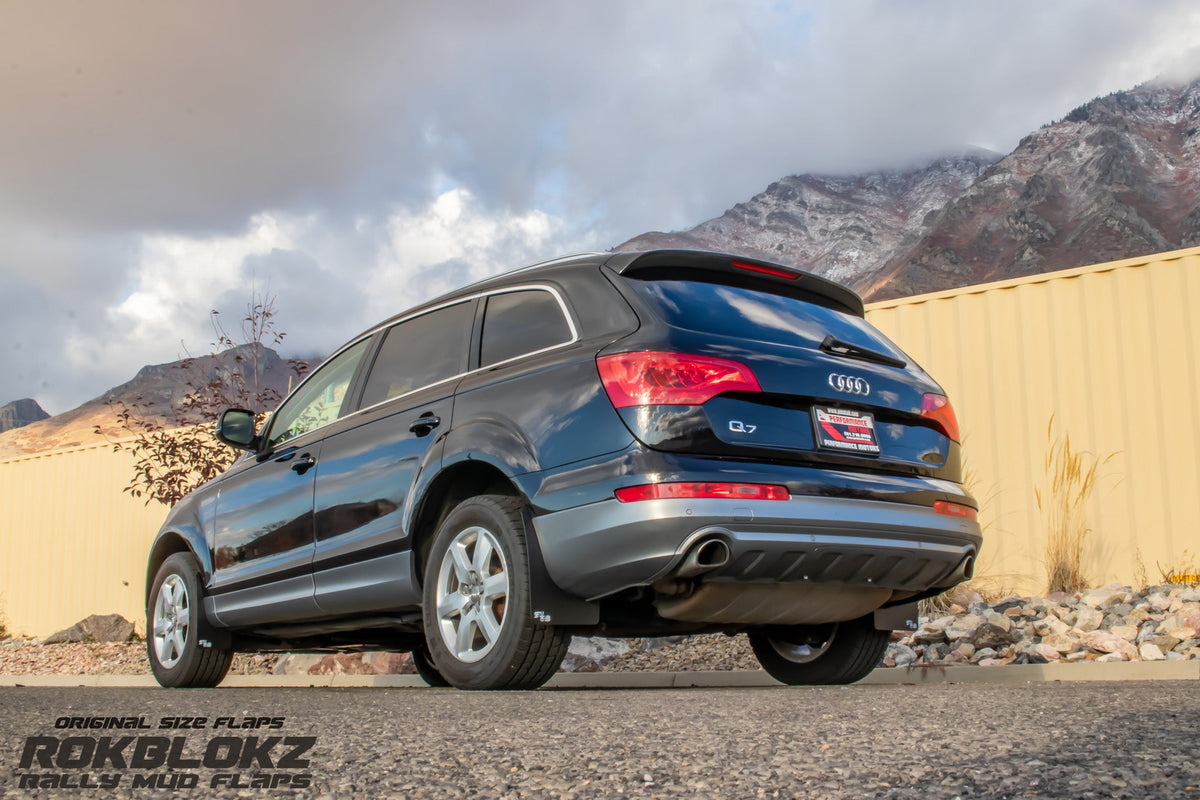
(78, 757)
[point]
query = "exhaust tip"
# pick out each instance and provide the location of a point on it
(714, 553)
(705, 556)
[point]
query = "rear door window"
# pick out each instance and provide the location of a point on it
(522, 322)
(421, 351)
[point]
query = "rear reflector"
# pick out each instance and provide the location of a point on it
(725, 491)
(954, 509)
(937, 409)
(652, 379)
(775, 272)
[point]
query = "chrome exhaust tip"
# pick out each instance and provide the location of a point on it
(705, 556)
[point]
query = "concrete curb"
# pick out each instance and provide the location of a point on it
(1012, 674)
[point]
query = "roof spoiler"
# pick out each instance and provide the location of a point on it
(751, 272)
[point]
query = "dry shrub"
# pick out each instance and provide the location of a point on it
(1184, 571)
(174, 458)
(1070, 480)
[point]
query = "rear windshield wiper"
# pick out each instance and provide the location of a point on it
(847, 350)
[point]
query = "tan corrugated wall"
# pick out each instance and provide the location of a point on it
(1110, 351)
(71, 542)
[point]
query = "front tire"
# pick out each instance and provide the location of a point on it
(837, 653)
(179, 639)
(478, 622)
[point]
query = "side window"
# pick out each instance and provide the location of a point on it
(522, 322)
(319, 400)
(421, 351)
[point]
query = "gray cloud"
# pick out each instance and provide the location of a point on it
(144, 144)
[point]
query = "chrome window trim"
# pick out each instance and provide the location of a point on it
(562, 307)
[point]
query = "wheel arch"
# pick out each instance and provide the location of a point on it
(454, 483)
(170, 542)
(468, 477)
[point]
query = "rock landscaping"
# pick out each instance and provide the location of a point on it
(1111, 623)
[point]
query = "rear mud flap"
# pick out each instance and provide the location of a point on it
(549, 604)
(897, 618)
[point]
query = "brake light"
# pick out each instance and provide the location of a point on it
(954, 509)
(651, 378)
(937, 409)
(774, 272)
(724, 491)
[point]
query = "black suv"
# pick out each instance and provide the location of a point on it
(629, 444)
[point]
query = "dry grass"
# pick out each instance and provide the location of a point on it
(1186, 571)
(1070, 480)
(992, 589)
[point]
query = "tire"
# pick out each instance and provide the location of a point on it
(478, 622)
(179, 639)
(837, 653)
(426, 668)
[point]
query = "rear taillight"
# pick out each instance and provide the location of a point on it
(937, 409)
(954, 509)
(725, 491)
(651, 378)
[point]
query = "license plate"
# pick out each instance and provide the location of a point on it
(845, 431)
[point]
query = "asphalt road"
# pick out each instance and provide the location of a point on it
(1127, 740)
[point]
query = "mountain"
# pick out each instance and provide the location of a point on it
(158, 395)
(19, 413)
(839, 227)
(1115, 178)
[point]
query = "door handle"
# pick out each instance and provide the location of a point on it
(304, 464)
(425, 423)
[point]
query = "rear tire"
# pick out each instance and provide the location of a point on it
(476, 607)
(838, 653)
(180, 642)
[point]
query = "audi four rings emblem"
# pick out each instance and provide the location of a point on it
(849, 384)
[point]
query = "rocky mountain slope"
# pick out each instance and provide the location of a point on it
(838, 227)
(1116, 178)
(19, 413)
(157, 391)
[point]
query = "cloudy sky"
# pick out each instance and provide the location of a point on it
(352, 158)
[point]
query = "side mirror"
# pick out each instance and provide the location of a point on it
(236, 429)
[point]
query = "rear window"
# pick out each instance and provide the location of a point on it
(759, 316)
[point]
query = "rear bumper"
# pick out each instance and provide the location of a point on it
(595, 550)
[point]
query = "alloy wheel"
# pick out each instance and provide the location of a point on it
(172, 618)
(472, 593)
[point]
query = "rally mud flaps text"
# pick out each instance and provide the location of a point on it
(224, 757)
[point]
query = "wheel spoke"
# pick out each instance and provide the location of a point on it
(483, 555)
(177, 643)
(462, 566)
(451, 604)
(488, 625)
(466, 635)
(495, 586)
